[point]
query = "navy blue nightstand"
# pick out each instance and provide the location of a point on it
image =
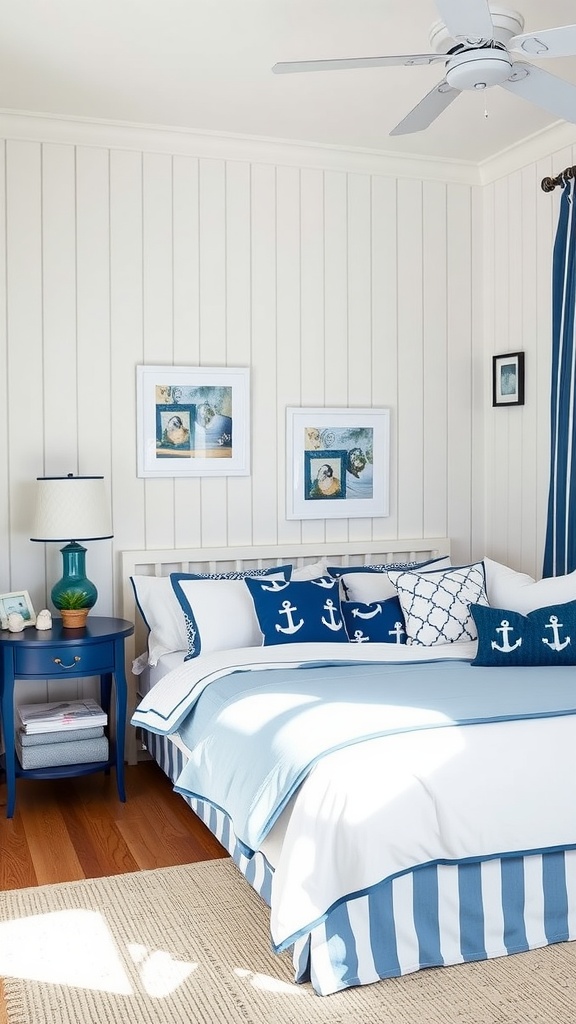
(97, 649)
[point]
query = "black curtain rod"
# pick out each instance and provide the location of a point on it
(549, 184)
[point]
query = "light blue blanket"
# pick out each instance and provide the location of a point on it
(255, 736)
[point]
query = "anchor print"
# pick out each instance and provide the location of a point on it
(397, 632)
(359, 637)
(332, 624)
(292, 627)
(367, 615)
(555, 644)
(505, 628)
(274, 585)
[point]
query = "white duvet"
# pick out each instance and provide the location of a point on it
(381, 807)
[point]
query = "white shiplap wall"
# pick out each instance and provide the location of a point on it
(519, 228)
(337, 285)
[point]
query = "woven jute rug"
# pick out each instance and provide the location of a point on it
(191, 944)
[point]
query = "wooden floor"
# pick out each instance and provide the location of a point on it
(69, 829)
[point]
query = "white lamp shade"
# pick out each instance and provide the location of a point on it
(72, 508)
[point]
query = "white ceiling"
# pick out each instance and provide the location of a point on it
(206, 65)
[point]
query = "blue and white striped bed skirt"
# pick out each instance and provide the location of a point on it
(430, 917)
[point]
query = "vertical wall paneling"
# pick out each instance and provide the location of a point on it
(289, 355)
(238, 324)
(384, 356)
(459, 366)
(93, 342)
(336, 288)
(435, 357)
(338, 298)
(480, 377)
(5, 584)
(25, 357)
(186, 320)
(410, 412)
(212, 190)
(315, 346)
(157, 271)
(265, 512)
(359, 310)
(527, 341)
(126, 340)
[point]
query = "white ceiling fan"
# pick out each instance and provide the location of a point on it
(476, 43)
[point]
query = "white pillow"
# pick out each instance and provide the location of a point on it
(311, 571)
(370, 586)
(162, 614)
(436, 604)
(219, 614)
(522, 593)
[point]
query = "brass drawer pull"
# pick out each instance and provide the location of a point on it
(58, 661)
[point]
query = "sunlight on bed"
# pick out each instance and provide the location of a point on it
(76, 948)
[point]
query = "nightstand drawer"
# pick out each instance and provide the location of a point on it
(78, 659)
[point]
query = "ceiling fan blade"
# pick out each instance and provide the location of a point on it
(466, 19)
(343, 63)
(429, 108)
(555, 95)
(550, 42)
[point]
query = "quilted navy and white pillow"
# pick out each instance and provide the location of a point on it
(306, 612)
(218, 612)
(379, 623)
(546, 636)
(436, 604)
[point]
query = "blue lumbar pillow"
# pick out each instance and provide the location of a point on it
(546, 636)
(306, 612)
(380, 622)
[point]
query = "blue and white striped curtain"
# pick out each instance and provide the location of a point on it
(560, 550)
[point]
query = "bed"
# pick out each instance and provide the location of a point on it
(355, 907)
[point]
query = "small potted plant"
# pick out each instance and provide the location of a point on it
(73, 606)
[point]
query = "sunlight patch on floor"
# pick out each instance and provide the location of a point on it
(160, 974)
(268, 984)
(68, 947)
(77, 948)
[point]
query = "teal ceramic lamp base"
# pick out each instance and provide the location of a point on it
(74, 590)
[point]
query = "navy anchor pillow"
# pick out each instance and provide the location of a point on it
(381, 622)
(307, 612)
(546, 636)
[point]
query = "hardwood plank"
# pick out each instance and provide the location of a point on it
(68, 829)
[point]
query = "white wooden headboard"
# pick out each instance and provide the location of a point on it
(164, 561)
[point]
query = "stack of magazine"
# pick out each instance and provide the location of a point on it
(61, 733)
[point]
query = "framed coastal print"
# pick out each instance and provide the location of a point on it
(18, 601)
(337, 463)
(508, 379)
(193, 421)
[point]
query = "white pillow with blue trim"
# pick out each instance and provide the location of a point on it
(217, 611)
(302, 612)
(436, 604)
(162, 614)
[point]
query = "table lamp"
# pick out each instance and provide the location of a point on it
(72, 508)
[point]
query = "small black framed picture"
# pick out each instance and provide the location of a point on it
(508, 379)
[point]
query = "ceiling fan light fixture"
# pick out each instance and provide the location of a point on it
(478, 69)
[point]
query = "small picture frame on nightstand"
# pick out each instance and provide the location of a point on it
(18, 601)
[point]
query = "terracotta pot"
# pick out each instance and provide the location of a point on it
(74, 618)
